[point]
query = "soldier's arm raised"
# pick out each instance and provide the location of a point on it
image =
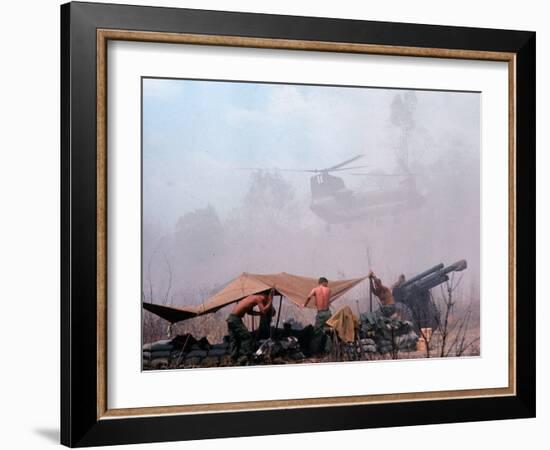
(311, 294)
(376, 285)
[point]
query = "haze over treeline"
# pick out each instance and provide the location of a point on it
(206, 225)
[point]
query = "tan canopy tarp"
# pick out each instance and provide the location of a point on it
(293, 287)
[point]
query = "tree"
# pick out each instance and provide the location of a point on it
(453, 331)
(199, 234)
(402, 116)
(268, 191)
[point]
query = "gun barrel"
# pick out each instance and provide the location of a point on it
(422, 275)
(432, 281)
(456, 267)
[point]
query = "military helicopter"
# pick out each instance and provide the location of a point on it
(334, 203)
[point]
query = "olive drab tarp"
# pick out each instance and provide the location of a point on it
(171, 314)
(345, 323)
(294, 287)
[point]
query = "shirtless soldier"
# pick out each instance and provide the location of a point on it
(384, 293)
(322, 299)
(390, 299)
(240, 339)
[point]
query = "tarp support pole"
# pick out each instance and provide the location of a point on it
(279, 312)
(370, 295)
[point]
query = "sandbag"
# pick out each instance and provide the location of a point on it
(156, 354)
(197, 354)
(193, 361)
(162, 345)
(221, 346)
(407, 342)
(210, 361)
(369, 348)
(178, 357)
(226, 361)
(160, 363)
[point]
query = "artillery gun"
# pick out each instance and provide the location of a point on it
(415, 292)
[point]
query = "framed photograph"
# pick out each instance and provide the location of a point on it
(277, 224)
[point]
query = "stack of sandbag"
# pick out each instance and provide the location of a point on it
(388, 332)
(407, 342)
(182, 349)
(194, 354)
(403, 343)
(159, 354)
(368, 345)
(216, 355)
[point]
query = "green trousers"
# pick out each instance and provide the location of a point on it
(321, 342)
(240, 339)
(321, 319)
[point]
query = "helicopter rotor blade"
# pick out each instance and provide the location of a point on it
(250, 168)
(341, 169)
(346, 168)
(301, 170)
(337, 166)
(383, 174)
(280, 170)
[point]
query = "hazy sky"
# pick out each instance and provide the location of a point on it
(197, 134)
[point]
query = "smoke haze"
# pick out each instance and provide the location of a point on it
(206, 219)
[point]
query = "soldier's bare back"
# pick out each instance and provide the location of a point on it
(246, 305)
(322, 297)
